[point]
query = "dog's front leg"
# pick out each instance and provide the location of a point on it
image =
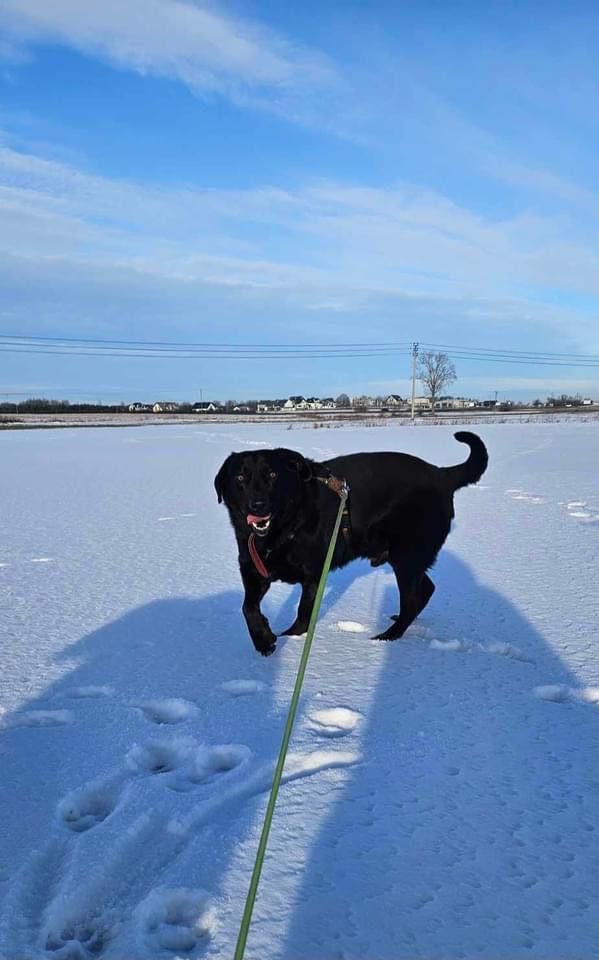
(304, 611)
(256, 586)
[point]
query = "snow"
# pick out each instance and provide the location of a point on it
(441, 796)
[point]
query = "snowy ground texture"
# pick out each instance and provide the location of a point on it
(441, 799)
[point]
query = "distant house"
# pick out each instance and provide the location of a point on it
(327, 403)
(165, 406)
(363, 402)
(268, 406)
(587, 402)
(393, 400)
(454, 403)
(208, 407)
(422, 403)
(138, 407)
(295, 403)
(241, 408)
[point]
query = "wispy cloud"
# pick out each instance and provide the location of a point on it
(208, 51)
(327, 248)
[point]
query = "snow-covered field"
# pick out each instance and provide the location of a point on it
(442, 796)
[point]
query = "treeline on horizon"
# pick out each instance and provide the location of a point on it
(44, 406)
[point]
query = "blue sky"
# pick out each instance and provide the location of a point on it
(310, 173)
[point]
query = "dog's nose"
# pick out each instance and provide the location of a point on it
(259, 507)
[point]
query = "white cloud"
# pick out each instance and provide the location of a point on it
(328, 248)
(193, 43)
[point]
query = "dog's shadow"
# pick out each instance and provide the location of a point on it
(96, 766)
(466, 830)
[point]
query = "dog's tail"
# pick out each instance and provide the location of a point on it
(473, 468)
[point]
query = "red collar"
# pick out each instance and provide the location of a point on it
(256, 558)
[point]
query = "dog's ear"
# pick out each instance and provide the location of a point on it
(220, 480)
(300, 465)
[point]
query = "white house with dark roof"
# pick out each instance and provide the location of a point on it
(296, 403)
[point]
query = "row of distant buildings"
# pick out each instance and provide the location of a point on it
(391, 403)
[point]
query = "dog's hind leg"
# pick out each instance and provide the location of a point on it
(415, 590)
(304, 611)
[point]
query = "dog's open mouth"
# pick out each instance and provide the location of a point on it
(259, 524)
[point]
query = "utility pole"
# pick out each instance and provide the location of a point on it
(414, 362)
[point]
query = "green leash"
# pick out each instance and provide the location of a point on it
(276, 783)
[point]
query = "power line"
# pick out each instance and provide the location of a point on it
(172, 355)
(175, 345)
(172, 350)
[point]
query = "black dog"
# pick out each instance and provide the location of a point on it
(283, 506)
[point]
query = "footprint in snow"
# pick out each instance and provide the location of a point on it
(37, 718)
(334, 722)
(560, 693)
(89, 693)
(580, 510)
(82, 809)
(241, 688)
(350, 626)
(451, 645)
(76, 941)
(188, 762)
(179, 920)
(179, 516)
(173, 710)
(516, 493)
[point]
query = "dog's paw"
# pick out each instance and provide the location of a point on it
(391, 634)
(265, 644)
(267, 651)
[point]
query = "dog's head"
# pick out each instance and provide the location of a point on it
(261, 488)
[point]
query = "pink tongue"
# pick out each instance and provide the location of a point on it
(252, 518)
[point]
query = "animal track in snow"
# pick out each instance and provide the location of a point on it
(82, 809)
(580, 510)
(506, 650)
(188, 762)
(176, 919)
(76, 941)
(560, 693)
(37, 718)
(178, 516)
(449, 645)
(160, 756)
(240, 688)
(91, 692)
(335, 721)
(516, 493)
(350, 626)
(173, 710)
(297, 766)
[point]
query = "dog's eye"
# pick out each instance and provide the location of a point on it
(241, 478)
(272, 474)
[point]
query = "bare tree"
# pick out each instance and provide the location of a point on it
(436, 372)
